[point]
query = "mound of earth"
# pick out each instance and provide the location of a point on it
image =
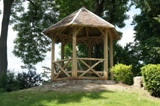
(83, 85)
(88, 86)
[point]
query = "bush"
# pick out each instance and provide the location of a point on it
(11, 81)
(8, 82)
(27, 80)
(122, 73)
(151, 79)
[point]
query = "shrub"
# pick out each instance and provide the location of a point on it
(11, 81)
(122, 73)
(27, 80)
(151, 79)
(8, 82)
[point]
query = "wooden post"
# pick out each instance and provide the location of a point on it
(89, 53)
(62, 51)
(111, 54)
(53, 56)
(74, 60)
(106, 55)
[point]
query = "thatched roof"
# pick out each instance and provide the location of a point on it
(82, 18)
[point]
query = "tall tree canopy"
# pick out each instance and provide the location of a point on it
(148, 30)
(30, 44)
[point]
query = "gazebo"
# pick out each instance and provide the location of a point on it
(82, 27)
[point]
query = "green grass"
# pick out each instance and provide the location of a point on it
(53, 98)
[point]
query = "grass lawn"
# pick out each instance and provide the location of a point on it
(56, 98)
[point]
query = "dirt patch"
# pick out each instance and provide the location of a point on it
(83, 85)
(88, 86)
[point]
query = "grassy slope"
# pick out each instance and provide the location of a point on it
(53, 98)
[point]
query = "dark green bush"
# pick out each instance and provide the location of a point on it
(151, 79)
(8, 82)
(27, 80)
(122, 73)
(11, 81)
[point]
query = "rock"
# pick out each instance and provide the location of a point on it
(137, 81)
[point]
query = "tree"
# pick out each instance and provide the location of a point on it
(157, 18)
(7, 9)
(130, 55)
(3, 38)
(148, 30)
(30, 44)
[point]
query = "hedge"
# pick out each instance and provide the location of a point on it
(122, 73)
(151, 78)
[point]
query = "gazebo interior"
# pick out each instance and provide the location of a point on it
(84, 28)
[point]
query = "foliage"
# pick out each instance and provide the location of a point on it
(151, 78)
(157, 18)
(109, 9)
(46, 74)
(129, 55)
(55, 98)
(8, 82)
(133, 57)
(67, 7)
(11, 81)
(122, 73)
(148, 30)
(30, 44)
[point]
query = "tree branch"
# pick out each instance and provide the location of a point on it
(99, 7)
(35, 8)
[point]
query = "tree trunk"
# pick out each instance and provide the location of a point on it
(4, 33)
(98, 11)
(99, 7)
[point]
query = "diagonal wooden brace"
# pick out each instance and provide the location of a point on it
(90, 68)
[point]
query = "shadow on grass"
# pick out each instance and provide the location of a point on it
(53, 98)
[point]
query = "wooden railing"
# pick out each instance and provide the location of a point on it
(86, 68)
(62, 68)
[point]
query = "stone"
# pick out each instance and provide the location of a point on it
(138, 81)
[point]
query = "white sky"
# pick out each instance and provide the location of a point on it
(15, 63)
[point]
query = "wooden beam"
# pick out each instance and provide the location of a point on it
(62, 69)
(62, 51)
(91, 37)
(90, 59)
(87, 33)
(97, 39)
(111, 53)
(53, 57)
(90, 68)
(106, 55)
(101, 30)
(89, 52)
(74, 54)
(74, 51)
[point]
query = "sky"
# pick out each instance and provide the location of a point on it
(14, 63)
